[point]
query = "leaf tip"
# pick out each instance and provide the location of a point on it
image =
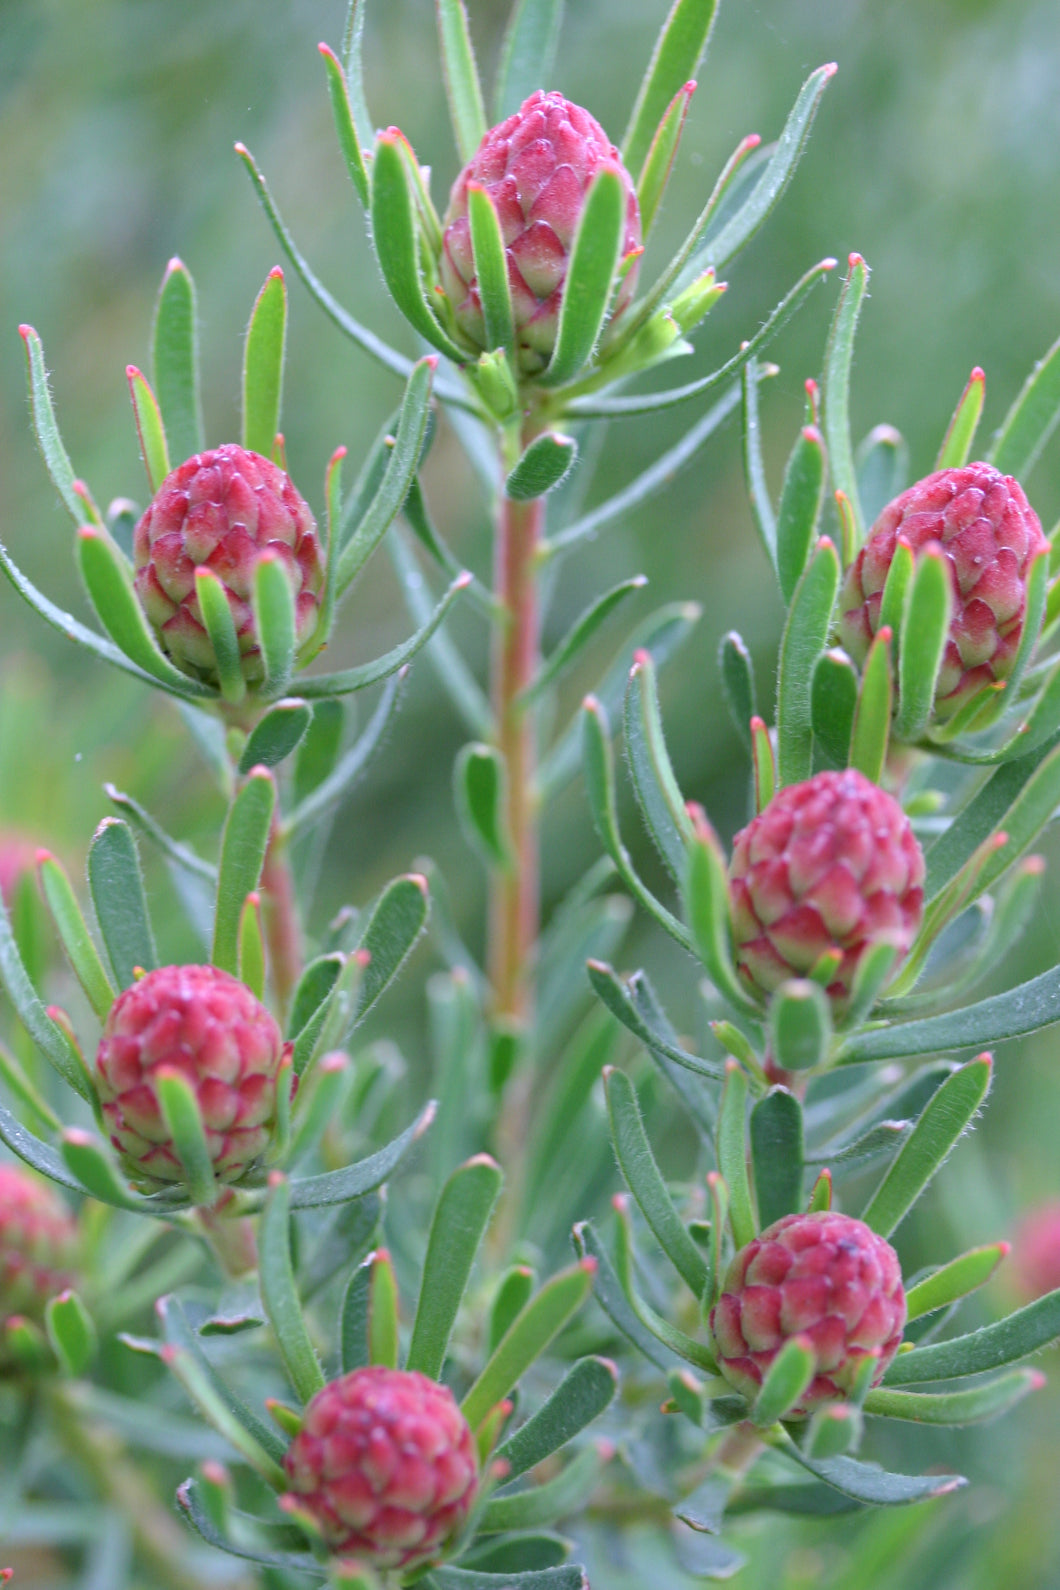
(420, 882)
(588, 1265)
(27, 333)
(829, 69)
(426, 1118)
(276, 1178)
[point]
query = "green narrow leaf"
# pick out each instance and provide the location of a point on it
(243, 844)
(274, 620)
(563, 1496)
(46, 428)
(394, 233)
(708, 908)
(872, 720)
(944, 1120)
(511, 1297)
(765, 766)
(183, 1118)
(611, 1298)
(805, 637)
(652, 480)
(660, 635)
(321, 797)
(263, 356)
(491, 268)
(251, 946)
(637, 1164)
(276, 735)
(149, 428)
(353, 1319)
(71, 1332)
(599, 774)
(1031, 420)
(883, 471)
(1027, 1008)
(738, 685)
(345, 123)
(117, 888)
(528, 53)
(660, 800)
(457, 1228)
(675, 58)
(895, 599)
(732, 1154)
(108, 581)
(94, 1169)
(461, 78)
(754, 465)
(776, 1154)
(960, 433)
(658, 162)
(319, 750)
(545, 464)
(578, 637)
(216, 613)
(279, 1293)
(585, 1391)
(623, 1004)
(397, 478)
(260, 1444)
(799, 511)
(595, 255)
(397, 920)
(353, 67)
(687, 1347)
(383, 1344)
(388, 357)
(73, 932)
(865, 1482)
(391, 662)
(175, 361)
(954, 1280)
(833, 704)
(650, 403)
(170, 847)
(787, 1378)
(479, 782)
(922, 642)
(1017, 1336)
(1017, 799)
(835, 388)
(770, 186)
(986, 1401)
(527, 1337)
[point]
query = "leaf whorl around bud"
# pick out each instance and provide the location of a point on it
(208, 1026)
(823, 1276)
(385, 1465)
(989, 534)
(38, 1244)
(831, 863)
(537, 168)
(221, 510)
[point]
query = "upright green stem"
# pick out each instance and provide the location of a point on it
(514, 903)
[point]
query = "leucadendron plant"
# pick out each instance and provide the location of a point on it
(231, 1141)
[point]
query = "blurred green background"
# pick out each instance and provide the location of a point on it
(934, 156)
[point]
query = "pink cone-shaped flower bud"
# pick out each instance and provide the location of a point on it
(208, 1026)
(38, 1245)
(990, 535)
(823, 1276)
(385, 1465)
(537, 168)
(830, 864)
(221, 510)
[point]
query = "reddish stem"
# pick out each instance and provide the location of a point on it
(514, 905)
